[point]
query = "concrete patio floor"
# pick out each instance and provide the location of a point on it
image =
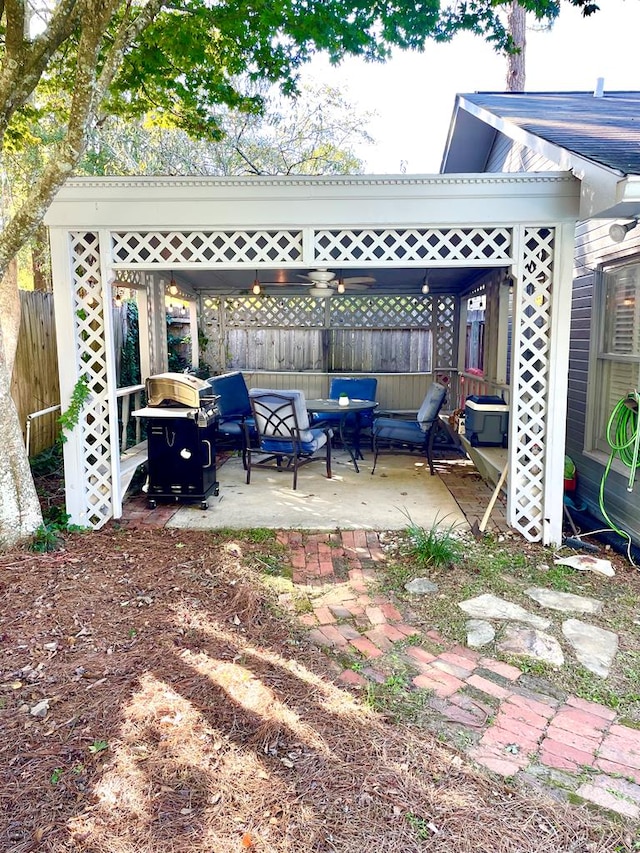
(401, 490)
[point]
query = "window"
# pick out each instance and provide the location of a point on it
(618, 359)
(474, 343)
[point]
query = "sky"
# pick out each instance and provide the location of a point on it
(413, 94)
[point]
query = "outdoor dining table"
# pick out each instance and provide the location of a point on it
(315, 407)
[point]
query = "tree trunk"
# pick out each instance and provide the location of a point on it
(40, 261)
(516, 61)
(20, 513)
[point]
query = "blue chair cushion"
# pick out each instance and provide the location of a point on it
(318, 438)
(298, 402)
(356, 388)
(394, 429)
(233, 402)
(431, 405)
(235, 427)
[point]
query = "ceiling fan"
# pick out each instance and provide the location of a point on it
(325, 283)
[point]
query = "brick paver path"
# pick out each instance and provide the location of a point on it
(514, 730)
(511, 729)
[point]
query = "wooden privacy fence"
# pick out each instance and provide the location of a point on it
(362, 333)
(34, 384)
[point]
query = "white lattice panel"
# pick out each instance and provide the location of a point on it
(531, 383)
(377, 312)
(210, 311)
(444, 317)
(413, 244)
(91, 364)
(173, 248)
(132, 277)
(274, 311)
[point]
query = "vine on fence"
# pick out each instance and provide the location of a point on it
(70, 417)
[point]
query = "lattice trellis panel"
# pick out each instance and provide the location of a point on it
(531, 383)
(91, 363)
(413, 244)
(444, 332)
(274, 311)
(210, 312)
(210, 247)
(379, 312)
(132, 277)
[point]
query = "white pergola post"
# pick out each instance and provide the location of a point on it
(68, 370)
(539, 367)
(558, 384)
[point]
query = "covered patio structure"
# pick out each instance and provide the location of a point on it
(508, 238)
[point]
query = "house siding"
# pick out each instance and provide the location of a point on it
(595, 249)
(509, 156)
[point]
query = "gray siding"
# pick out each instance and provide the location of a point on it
(509, 156)
(594, 249)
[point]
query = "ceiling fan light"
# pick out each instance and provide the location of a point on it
(341, 287)
(256, 289)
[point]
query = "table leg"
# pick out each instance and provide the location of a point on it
(343, 420)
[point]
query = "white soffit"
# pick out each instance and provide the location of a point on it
(358, 200)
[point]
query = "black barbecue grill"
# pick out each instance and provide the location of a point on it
(182, 418)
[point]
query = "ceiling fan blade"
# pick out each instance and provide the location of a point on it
(358, 279)
(306, 277)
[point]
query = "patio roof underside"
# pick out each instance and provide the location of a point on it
(279, 281)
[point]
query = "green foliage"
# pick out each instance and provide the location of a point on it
(48, 462)
(437, 546)
(70, 417)
(176, 348)
(311, 133)
(130, 354)
(421, 826)
(49, 536)
(56, 775)
(98, 746)
(396, 699)
(257, 535)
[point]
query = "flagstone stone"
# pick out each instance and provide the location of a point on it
(594, 647)
(421, 586)
(479, 633)
(565, 601)
(530, 642)
(489, 606)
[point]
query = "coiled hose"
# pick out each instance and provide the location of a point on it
(623, 437)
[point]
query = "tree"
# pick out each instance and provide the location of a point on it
(517, 26)
(67, 64)
(311, 133)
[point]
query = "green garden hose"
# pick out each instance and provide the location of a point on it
(623, 437)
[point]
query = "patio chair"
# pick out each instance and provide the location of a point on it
(235, 412)
(284, 439)
(401, 436)
(356, 388)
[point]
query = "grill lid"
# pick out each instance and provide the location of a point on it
(177, 389)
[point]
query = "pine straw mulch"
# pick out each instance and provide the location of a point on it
(183, 712)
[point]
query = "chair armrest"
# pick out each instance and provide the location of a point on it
(400, 414)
